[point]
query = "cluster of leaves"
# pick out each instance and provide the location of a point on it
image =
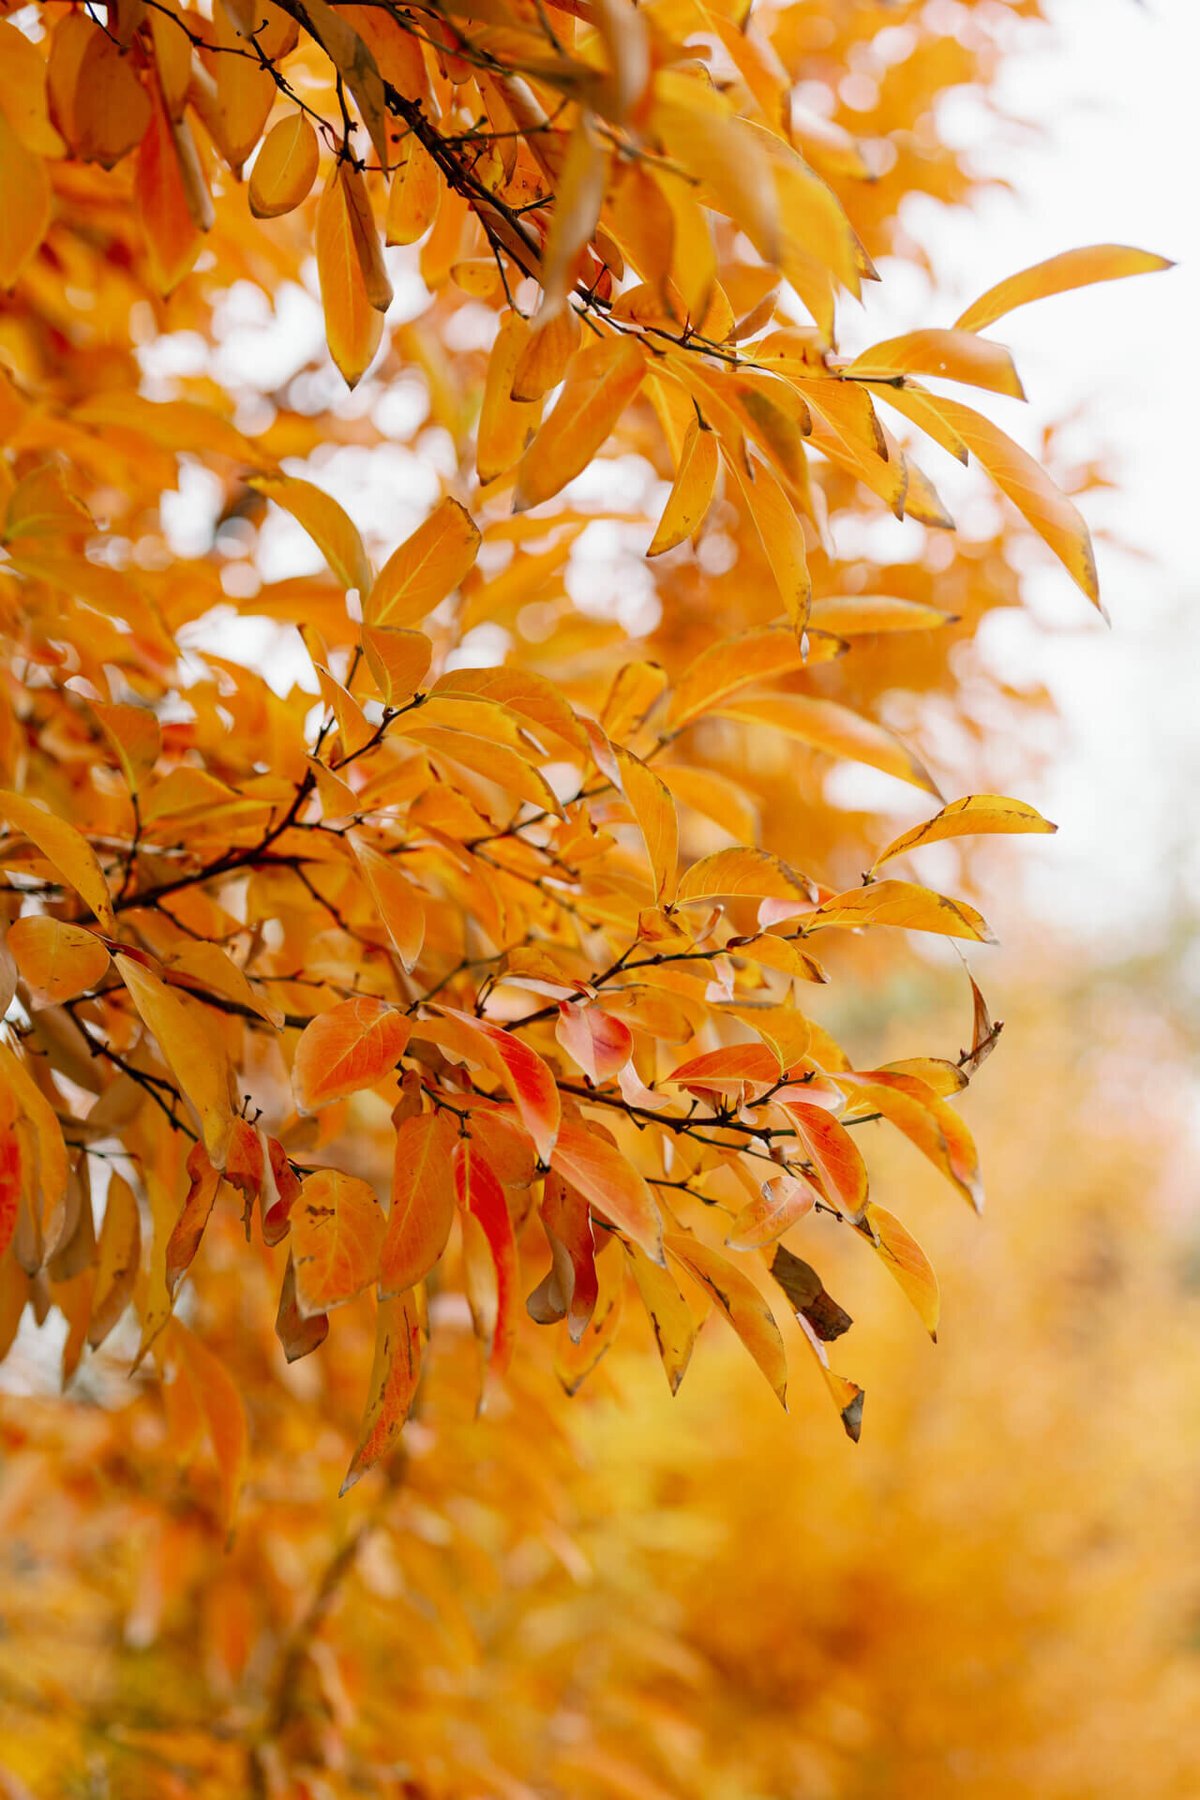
(450, 958)
(689, 1599)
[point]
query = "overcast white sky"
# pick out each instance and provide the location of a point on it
(1112, 91)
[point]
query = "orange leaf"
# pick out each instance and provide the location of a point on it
(732, 664)
(835, 730)
(851, 614)
(327, 524)
(118, 1250)
(398, 901)
(903, 1257)
(337, 1235)
(25, 203)
(422, 1207)
(728, 874)
(395, 1374)
(217, 1397)
(601, 381)
(57, 959)
(427, 566)
(778, 525)
(598, 1043)
(480, 1194)
(954, 355)
(285, 168)
(353, 326)
(669, 1314)
(978, 813)
(350, 1047)
(831, 1151)
(928, 1122)
(184, 1241)
(904, 904)
(783, 1200)
(742, 1304)
(192, 1052)
(1071, 269)
(524, 1074)
(67, 849)
(692, 491)
(506, 424)
(413, 196)
(610, 1184)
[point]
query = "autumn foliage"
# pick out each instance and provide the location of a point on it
(436, 936)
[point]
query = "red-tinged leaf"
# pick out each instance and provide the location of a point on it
(953, 355)
(1071, 269)
(598, 1043)
(934, 1127)
(785, 1199)
(523, 1072)
(985, 1032)
(66, 849)
(807, 1296)
(119, 1253)
(835, 730)
(337, 1236)
(298, 1335)
(734, 1070)
(480, 1194)
(422, 1208)
(574, 1362)
(670, 1316)
(828, 1147)
(281, 1188)
(184, 1241)
(327, 524)
(903, 1257)
(731, 874)
(351, 1047)
(610, 1185)
(11, 1183)
(742, 1304)
(53, 1169)
(978, 813)
(903, 904)
(395, 1375)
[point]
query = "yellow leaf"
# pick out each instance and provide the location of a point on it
(601, 382)
(329, 527)
(193, 1054)
(23, 93)
(699, 130)
(548, 347)
(376, 284)
(578, 196)
(353, 326)
(730, 873)
(851, 614)
(427, 566)
(903, 1257)
(400, 905)
(285, 168)
(911, 1105)
(692, 492)
(67, 849)
(356, 65)
(782, 536)
(904, 904)
(731, 664)
(40, 506)
(952, 355)
(980, 813)
(1052, 515)
(1071, 269)
(133, 732)
(827, 726)
(742, 1304)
